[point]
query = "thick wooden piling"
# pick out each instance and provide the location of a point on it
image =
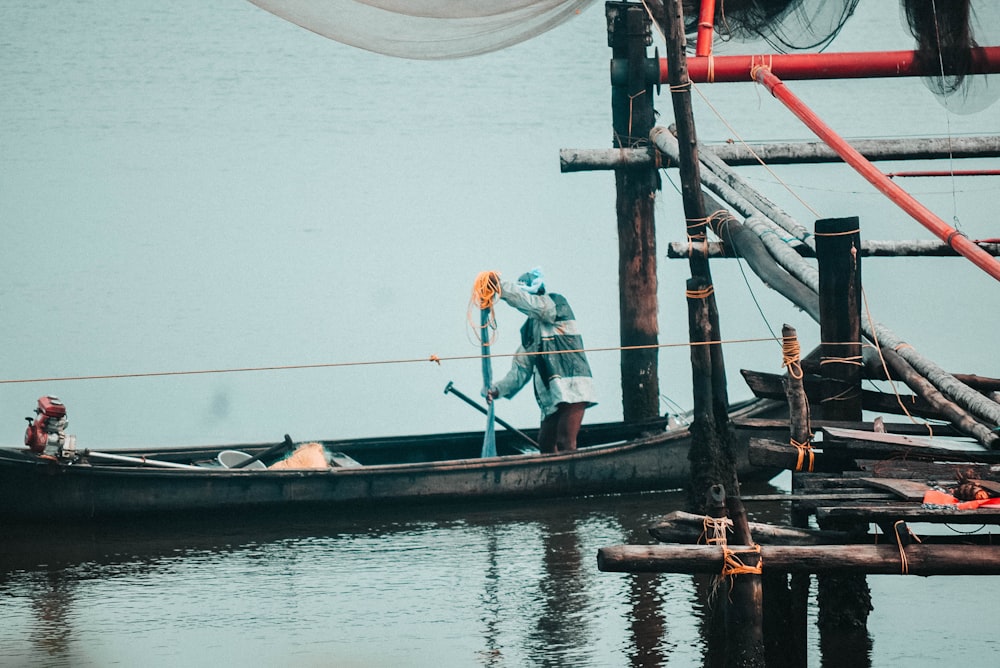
(632, 117)
(844, 598)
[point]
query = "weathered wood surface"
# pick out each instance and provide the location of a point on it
(937, 472)
(679, 250)
(633, 117)
(840, 456)
(734, 153)
(875, 559)
(909, 428)
(689, 528)
(963, 451)
(910, 512)
(907, 490)
(586, 160)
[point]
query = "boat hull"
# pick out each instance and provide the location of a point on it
(34, 489)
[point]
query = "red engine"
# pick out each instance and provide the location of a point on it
(48, 428)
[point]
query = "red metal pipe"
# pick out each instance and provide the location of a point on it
(955, 239)
(792, 66)
(706, 28)
(945, 172)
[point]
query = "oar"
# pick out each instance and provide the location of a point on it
(274, 449)
(142, 461)
(450, 388)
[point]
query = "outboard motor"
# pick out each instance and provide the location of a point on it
(46, 433)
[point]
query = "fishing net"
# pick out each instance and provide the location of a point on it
(441, 29)
(946, 32)
(427, 29)
(786, 25)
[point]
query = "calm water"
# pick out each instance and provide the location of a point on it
(194, 186)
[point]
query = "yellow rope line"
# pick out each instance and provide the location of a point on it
(326, 365)
(854, 360)
(836, 234)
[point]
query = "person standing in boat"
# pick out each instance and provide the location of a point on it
(551, 354)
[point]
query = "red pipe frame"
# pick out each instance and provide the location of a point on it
(955, 239)
(792, 66)
(706, 25)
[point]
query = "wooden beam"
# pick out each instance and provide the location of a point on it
(680, 250)
(875, 559)
(791, 153)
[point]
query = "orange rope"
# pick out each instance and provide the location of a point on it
(790, 356)
(803, 449)
(733, 565)
(485, 292)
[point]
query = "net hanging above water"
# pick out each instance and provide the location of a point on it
(427, 29)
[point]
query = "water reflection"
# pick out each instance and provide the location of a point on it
(494, 585)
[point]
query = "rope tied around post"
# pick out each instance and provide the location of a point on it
(804, 449)
(714, 530)
(732, 565)
(904, 562)
(790, 352)
(704, 293)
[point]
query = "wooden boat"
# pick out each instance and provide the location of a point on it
(612, 458)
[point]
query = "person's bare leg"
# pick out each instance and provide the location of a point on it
(570, 419)
(547, 433)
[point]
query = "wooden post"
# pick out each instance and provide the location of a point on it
(844, 600)
(797, 631)
(632, 117)
(838, 253)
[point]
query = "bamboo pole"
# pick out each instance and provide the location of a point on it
(916, 559)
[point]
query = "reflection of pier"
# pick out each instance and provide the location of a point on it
(849, 474)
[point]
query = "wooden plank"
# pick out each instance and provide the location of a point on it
(911, 512)
(873, 445)
(908, 490)
(908, 428)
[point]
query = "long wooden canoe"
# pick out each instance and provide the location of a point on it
(612, 458)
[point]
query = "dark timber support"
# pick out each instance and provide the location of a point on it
(632, 116)
(713, 462)
(844, 600)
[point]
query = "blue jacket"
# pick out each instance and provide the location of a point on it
(550, 328)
